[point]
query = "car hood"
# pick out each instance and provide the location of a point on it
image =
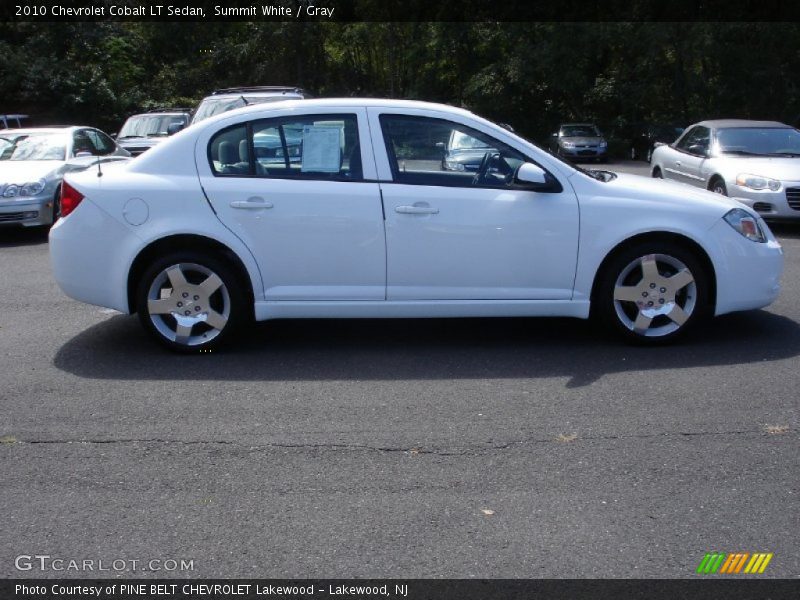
(783, 168)
(674, 193)
(23, 171)
(582, 140)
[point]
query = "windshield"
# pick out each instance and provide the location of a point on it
(759, 141)
(214, 106)
(41, 146)
(579, 131)
(149, 125)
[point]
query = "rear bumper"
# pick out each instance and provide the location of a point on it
(83, 272)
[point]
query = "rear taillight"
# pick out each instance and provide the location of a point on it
(70, 198)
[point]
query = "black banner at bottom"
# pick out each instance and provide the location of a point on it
(399, 589)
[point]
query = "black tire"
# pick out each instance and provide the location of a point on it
(717, 185)
(628, 304)
(56, 206)
(227, 300)
(657, 173)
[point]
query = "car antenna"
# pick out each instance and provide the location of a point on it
(99, 170)
(246, 103)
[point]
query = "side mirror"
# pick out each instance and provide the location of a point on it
(528, 173)
(113, 136)
(174, 128)
(555, 135)
(698, 149)
(535, 179)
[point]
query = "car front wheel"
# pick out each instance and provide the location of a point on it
(190, 301)
(652, 293)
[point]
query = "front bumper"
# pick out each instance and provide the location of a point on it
(748, 273)
(28, 211)
(780, 205)
(587, 153)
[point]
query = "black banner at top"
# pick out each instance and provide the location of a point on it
(400, 10)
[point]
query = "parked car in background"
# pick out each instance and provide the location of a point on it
(364, 224)
(10, 121)
(757, 162)
(141, 132)
(580, 141)
(33, 163)
(642, 139)
(230, 98)
(464, 152)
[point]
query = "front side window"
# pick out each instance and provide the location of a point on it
(307, 147)
(695, 141)
(428, 151)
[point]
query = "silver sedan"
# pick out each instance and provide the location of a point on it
(756, 162)
(32, 165)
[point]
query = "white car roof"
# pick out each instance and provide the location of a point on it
(728, 123)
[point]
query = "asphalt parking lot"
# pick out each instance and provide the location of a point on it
(426, 448)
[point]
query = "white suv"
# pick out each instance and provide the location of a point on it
(223, 100)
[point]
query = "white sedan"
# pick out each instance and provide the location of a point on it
(202, 233)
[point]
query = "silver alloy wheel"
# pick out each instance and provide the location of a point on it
(655, 295)
(188, 304)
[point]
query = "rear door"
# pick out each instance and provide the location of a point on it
(300, 191)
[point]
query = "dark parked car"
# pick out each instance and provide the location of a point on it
(580, 141)
(642, 139)
(143, 131)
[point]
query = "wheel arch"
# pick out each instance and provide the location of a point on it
(183, 242)
(661, 236)
(714, 177)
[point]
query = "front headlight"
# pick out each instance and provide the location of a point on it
(32, 188)
(26, 189)
(746, 224)
(756, 182)
(453, 166)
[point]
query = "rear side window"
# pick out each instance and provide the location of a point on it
(307, 147)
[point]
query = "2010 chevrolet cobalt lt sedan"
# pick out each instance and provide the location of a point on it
(349, 212)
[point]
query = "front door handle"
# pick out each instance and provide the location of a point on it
(255, 202)
(416, 210)
(677, 163)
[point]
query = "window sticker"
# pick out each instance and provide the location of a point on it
(322, 151)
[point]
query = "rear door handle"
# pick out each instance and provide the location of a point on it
(251, 203)
(416, 210)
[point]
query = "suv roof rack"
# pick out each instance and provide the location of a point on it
(260, 88)
(168, 109)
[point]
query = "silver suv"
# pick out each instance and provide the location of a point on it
(227, 99)
(143, 131)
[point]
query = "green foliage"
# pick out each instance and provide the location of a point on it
(531, 75)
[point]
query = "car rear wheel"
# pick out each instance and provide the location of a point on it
(652, 293)
(190, 301)
(657, 173)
